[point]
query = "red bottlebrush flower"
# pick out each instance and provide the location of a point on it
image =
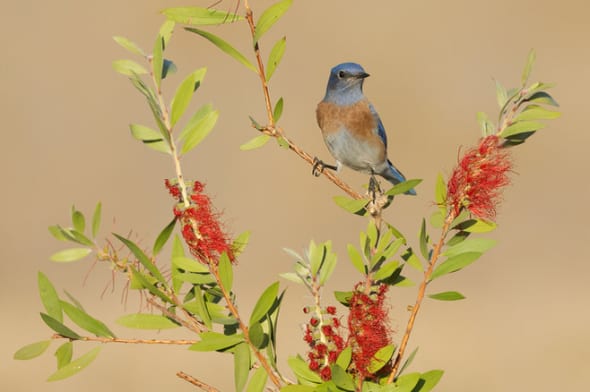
(368, 329)
(477, 181)
(200, 224)
(324, 341)
(326, 373)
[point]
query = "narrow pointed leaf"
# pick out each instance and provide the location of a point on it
(385, 271)
(146, 321)
(542, 97)
(96, 217)
(59, 327)
(344, 358)
(69, 255)
(470, 245)
(141, 281)
(356, 259)
(424, 241)
(341, 379)
(501, 94)
(241, 366)
(408, 361)
(158, 60)
(226, 273)
(380, 359)
(257, 142)
(198, 16)
(265, 302)
(49, 297)
(403, 187)
(130, 46)
(32, 350)
(213, 341)
(278, 110)
(351, 205)
(528, 67)
(429, 380)
(224, 46)
(477, 226)
(142, 258)
(143, 133)
(274, 58)
(163, 237)
(197, 129)
(269, 17)
(184, 94)
(128, 67)
(63, 354)
(407, 382)
(536, 112)
(78, 221)
(302, 370)
(447, 296)
(190, 265)
(85, 321)
(521, 127)
(257, 381)
(75, 366)
(455, 263)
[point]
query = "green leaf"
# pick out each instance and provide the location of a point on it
(455, 263)
(528, 67)
(355, 206)
(437, 220)
(184, 94)
(164, 236)
(403, 187)
(239, 244)
(58, 233)
(343, 297)
(386, 271)
(199, 126)
(501, 94)
(226, 273)
(440, 194)
(257, 336)
(274, 58)
(264, 303)
(521, 127)
(356, 259)
(429, 380)
(59, 327)
(328, 265)
(74, 300)
(63, 354)
(258, 381)
(75, 366)
(407, 382)
(140, 281)
(158, 60)
(408, 361)
(69, 255)
(257, 142)
(447, 296)
(150, 137)
(298, 388)
(241, 366)
(190, 265)
(142, 258)
(486, 126)
(146, 321)
(424, 241)
(476, 226)
(380, 359)
(200, 16)
(85, 321)
(278, 110)
(302, 370)
(269, 17)
(412, 260)
(542, 97)
(49, 297)
(96, 219)
(32, 350)
(128, 68)
(536, 112)
(344, 358)
(130, 46)
(78, 220)
(213, 341)
(224, 46)
(292, 276)
(480, 245)
(166, 33)
(343, 380)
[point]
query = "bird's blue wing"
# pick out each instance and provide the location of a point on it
(380, 127)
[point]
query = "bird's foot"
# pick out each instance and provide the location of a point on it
(318, 167)
(374, 188)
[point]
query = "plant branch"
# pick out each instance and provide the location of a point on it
(234, 311)
(198, 383)
(271, 129)
(181, 342)
(421, 291)
(191, 324)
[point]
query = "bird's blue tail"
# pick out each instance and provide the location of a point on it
(395, 177)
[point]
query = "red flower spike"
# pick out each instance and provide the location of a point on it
(477, 181)
(367, 325)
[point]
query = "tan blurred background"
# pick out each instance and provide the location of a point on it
(525, 324)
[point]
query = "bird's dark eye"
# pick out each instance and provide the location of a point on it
(341, 74)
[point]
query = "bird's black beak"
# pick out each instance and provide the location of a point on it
(362, 75)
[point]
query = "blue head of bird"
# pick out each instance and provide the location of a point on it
(345, 86)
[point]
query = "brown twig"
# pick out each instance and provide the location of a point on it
(421, 291)
(178, 342)
(198, 383)
(277, 132)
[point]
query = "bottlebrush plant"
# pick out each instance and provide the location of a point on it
(350, 348)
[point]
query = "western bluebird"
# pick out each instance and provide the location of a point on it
(351, 127)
